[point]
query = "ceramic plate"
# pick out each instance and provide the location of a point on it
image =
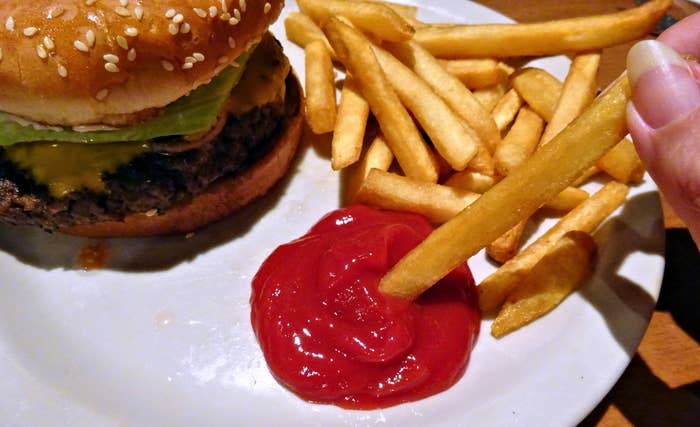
(162, 336)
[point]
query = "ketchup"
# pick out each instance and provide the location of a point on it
(330, 336)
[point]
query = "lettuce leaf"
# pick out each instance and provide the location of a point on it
(196, 112)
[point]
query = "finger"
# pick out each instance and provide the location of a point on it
(684, 37)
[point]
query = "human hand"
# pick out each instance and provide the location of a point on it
(664, 115)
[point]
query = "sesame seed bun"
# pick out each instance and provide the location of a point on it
(219, 200)
(90, 62)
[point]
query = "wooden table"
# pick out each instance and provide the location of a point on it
(661, 387)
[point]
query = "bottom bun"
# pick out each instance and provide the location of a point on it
(218, 201)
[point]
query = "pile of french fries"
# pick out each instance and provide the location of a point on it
(473, 143)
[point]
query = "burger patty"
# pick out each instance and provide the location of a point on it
(152, 181)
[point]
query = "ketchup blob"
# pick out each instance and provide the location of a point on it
(330, 336)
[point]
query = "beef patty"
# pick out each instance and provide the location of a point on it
(152, 181)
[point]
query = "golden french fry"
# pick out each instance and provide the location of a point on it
(568, 199)
(371, 18)
(320, 88)
(539, 89)
(449, 88)
(586, 217)
(517, 196)
(520, 142)
(506, 109)
(436, 202)
(350, 125)
(565, 266)
(406, 11)
(489, 97)
(586, 175)
(622, 163)
(543, 38)
(483, 162)
(402, 136)
(456, 143)
(475, 73)
(506, 246)
(377, 156)
(471, 181)
(577, 93)
(301, 30)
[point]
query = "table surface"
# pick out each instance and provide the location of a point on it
(662, 384)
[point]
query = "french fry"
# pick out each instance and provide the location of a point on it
(520, 142)
(320, 88)
(577, 93)
(565, 266)
(544, 38)
(568, 199)
(586, 175)
(449, 88)
(506, 246)
(475, 73)
(471, 181)
(350, 125)
(371, 18)
(406, 11)
(436, 202)
(586, 217)
(377, 156)
(456, 143)
(539, 89)
(483, 162)
(517, 196)
(506, 109)
(622, 163)
(489, 97)
(402, 136)
(301, 30)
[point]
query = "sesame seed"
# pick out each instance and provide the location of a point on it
(48, 42)
(131, 56)
(233, 21)
(131, 31)
(80, 46)
(187, 65)
(121, 41)
(213, 11)
(152, 212)
(55, 12)
(30, 31)
(224, 6)
(101, 95)
(235, 64)
(223, 59)
(243, 5)
(168, 66)
(62, 71)
(110, 57)
(178, 18)
(0, 54)
(138, 12)
(185, 28)
(237, 14)
(90, 2)
(122, 11)
(124, 3)
(198, 56)
(41, 51)
(90, 38)
(225, 16)
(232, 42)
(267, 8)
(111, 67)
(200, 12)
(10, 24)
(173, 28)
(170, 13)
(190, 59)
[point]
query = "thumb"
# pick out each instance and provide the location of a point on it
(664, 119)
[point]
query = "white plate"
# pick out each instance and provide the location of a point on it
(162, 336)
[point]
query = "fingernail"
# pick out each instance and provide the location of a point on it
(663, 85)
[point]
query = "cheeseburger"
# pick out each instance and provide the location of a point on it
(135, 117)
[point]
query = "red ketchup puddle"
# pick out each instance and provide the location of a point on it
(330, 336)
